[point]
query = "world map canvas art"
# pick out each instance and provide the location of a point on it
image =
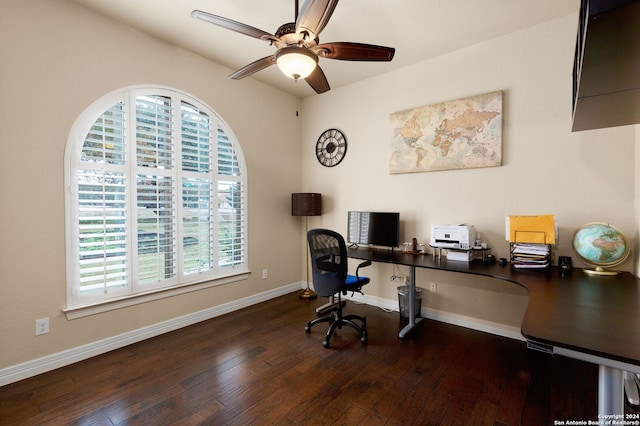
(461, 134)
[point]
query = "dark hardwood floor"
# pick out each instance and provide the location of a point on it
(258, 366)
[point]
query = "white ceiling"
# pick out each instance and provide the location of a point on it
(417, 29)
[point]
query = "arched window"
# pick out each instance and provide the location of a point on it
(156, 196)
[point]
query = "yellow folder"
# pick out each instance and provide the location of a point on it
(539, 229)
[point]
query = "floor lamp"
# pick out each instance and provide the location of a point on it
(306, 204)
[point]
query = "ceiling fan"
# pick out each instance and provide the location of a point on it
(298, 45)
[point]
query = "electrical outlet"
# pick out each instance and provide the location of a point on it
(433, 287)
(42, 326)
(265, 274)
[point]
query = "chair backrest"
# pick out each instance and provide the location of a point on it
(328, 253)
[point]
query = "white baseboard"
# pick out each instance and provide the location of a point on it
(51, 362)
(446, 317)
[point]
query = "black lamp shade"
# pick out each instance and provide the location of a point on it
(306, 204)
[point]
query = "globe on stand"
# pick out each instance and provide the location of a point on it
(601, 246)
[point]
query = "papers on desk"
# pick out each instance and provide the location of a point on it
(530, 256)
(530, 238)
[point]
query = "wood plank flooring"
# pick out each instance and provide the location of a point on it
(258, 366)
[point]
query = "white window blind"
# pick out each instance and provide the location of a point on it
(102, 221)
(231, 220)
(197, 196)
(156, 196)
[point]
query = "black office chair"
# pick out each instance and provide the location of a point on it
(329, 265)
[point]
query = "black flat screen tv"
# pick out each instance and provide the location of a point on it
(374, 228)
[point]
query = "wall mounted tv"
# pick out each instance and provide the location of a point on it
(374, 228)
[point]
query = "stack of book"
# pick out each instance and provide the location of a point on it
(530, 256)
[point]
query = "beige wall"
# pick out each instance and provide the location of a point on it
(578, 177)
(56, 58)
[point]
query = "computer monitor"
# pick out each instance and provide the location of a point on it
(374, 228)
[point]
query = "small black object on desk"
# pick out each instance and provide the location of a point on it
(489, 258)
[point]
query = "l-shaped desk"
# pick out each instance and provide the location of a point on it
(590, 318)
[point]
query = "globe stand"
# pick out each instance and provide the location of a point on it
(601, 272)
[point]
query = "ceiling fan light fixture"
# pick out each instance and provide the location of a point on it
(296, 62)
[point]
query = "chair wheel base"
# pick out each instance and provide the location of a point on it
(337, 321)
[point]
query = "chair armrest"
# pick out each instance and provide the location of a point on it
(362, 265)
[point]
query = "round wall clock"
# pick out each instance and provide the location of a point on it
(331, 147)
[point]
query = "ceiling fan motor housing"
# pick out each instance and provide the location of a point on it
(287, 33)
(284, 29)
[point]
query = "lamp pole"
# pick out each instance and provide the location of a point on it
(306, 204)
(307, 293)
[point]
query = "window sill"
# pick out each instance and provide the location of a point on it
(123, 302)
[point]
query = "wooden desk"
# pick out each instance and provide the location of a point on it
(591, 318)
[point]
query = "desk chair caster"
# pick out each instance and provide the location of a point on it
(363, 339)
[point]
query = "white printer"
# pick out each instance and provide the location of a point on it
(460, 237)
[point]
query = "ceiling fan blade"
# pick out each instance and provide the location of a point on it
(253, 67)
(318, 81)
(231, 25)
(347, 51)
(314, 16)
